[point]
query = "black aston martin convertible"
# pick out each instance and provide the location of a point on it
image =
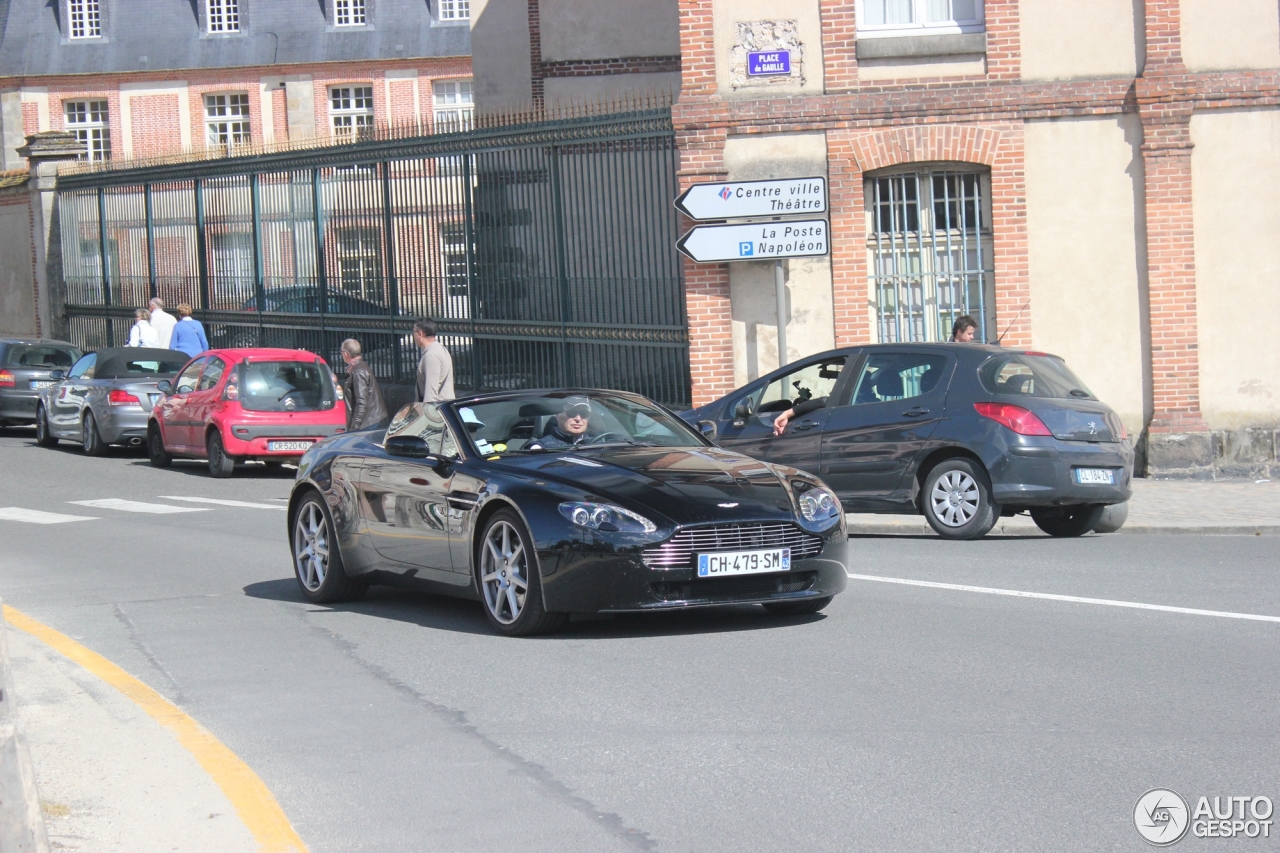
(546, 503)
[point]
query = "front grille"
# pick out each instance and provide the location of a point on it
(678, 551)
(729, 589)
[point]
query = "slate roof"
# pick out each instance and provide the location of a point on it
(168, 34)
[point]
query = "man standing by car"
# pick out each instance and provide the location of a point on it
(364, 399)
(188, 333)
(435, 367)
(162, 322)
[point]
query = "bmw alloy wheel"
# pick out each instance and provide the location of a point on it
(311, 546)
(954, 498)
(504, 572)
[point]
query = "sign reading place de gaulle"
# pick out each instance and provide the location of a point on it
(745, 199)
(759, 241)
(762, 63)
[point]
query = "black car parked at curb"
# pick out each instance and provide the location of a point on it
(961, 433)
(473, 498)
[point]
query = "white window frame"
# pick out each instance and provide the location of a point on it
(222, 16)
(359, 252)
(351, 109)
(453, 103)
(230, 127)
(84, 19)
(453, 257)
(94, 129)
(920, 26)
(350, 13)
(454, 10)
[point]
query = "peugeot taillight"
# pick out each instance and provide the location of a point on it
(7, 380)
(122, 398)
(1020, 420)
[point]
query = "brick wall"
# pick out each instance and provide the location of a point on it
(156, 123)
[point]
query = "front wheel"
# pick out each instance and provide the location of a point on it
(44, 435)
(160, 457)
(1068, 521)
(220, 464)
(507, 571)
(93, 443)
(798, 608)
(957, 500)
(317, 562)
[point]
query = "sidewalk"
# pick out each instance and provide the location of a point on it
(1240, 507)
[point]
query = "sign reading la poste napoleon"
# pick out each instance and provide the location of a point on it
(756, 241)
(745, 199)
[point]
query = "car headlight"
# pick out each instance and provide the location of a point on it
(606, 517)
(818, 506)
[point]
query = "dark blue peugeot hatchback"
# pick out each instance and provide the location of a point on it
(961, 433)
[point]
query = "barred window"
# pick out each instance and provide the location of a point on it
(360, 262)
(453, 251)
(455, 10)
(227, 120)
(929, 249)
(349, 13)
(85, 17)
(88, 120)
(351, 109)
(454, 106)
(907, 17)
(224, 16)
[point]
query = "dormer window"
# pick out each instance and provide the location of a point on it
(350, 13)
(85, 19)
(223, 16)
(455, 10)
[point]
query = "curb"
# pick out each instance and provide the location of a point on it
(21, 823)
(922, 528)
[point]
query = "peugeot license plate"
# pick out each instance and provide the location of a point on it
(1095, 476)
(289, 445)
(744, 563)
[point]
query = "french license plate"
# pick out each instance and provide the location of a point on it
(289, 445)
(744, 563)
(37, 384)
(1095, 476)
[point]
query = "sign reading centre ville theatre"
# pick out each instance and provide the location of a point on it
(747, 199)
(758, 241)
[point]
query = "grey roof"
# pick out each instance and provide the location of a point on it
(153, 35)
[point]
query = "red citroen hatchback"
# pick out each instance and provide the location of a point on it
(233, 405)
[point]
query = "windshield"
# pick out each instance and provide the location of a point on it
(40, 355)
(560, 420)
(285, 386)
(1030, 375)
(127, 368)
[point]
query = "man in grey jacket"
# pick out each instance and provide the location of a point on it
(364, 399)
(435, 367)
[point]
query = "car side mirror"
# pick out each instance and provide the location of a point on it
(409, 446)
(186, 389)
(742, 411)
(58, 375)
(165, 386)
(708, 429)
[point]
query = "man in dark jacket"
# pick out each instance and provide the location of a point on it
(364, 399)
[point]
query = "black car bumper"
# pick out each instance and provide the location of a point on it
(1042, 471)
(586, 578)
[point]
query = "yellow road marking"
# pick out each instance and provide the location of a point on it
(253, 801)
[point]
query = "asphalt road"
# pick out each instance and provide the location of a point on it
(901, 718)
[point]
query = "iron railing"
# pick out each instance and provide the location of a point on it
(544, 251)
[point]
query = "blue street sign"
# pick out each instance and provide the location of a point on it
(746, 249)
(765, 62)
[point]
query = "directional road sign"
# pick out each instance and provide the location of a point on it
(745, 199)
(761, 241)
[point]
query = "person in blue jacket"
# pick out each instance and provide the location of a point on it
(188, 333)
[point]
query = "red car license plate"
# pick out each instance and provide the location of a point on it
(289, 445)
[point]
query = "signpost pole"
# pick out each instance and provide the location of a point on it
(780, 292)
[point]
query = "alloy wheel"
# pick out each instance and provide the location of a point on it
(504, 572)
(954, 498)
(311, 546)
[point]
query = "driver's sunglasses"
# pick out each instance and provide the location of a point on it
(577, 416)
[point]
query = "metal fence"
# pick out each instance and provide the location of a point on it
(544, 252)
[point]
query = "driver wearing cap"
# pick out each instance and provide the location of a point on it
(570, 426)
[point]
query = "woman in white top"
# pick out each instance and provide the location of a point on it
(142, 334)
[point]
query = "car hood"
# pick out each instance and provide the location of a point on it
(678, 485)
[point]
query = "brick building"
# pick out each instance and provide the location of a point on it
(138, 80)
(1100, 180)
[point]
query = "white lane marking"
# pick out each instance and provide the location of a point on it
(136, 506)
(1072, 599)
(35, 516)
(221, 502)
